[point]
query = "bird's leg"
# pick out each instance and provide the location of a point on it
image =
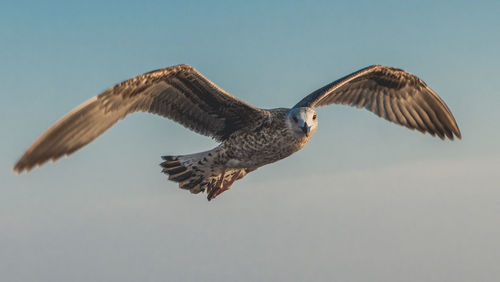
(213, 192)
(227, 185)
(222, 185)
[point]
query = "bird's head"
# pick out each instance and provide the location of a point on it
(303, 121)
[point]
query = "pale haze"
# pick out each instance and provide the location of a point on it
(365, 200)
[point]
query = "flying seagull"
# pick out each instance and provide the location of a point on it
(249, 137)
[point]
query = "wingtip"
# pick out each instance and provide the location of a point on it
(458, 133)
(453, 136)
(455, 132)
(19, 168)
(22, 165)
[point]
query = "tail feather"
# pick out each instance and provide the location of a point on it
(174, 170)
(169, 162)
(188, 170)
(195, 172)
(181, 176)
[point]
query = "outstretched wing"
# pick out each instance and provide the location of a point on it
(392, 94)
(179, 93)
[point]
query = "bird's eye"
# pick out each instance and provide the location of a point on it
(295, 119)
(314, 117)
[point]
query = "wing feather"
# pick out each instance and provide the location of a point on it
(387, 105)
(401, 119)
(392, 94)
(179, 93)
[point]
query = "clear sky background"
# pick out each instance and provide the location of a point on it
(366, 200)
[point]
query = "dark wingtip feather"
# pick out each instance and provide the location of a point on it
(18, 169)
(457, 132)
(23, 166)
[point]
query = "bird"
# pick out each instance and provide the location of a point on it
(248, 137)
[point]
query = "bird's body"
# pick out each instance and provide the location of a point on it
(249, 137)
(268, 141)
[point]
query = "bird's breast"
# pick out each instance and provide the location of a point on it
(264, 146)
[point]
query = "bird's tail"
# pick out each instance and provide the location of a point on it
(192, 172)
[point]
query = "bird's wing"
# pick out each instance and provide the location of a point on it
(179, 93)
(392, 94)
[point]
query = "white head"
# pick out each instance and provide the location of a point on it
(303, 121)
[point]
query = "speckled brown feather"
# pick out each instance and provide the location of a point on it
(179, 93)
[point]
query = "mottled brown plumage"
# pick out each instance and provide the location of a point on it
(179, 93)
(249, 137)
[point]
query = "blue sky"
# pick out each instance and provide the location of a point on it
(365, 199)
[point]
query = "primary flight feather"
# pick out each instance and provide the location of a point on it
(249, 137)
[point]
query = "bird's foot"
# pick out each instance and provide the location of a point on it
(222, 185)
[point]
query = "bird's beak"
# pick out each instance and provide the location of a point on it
(306, 129)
